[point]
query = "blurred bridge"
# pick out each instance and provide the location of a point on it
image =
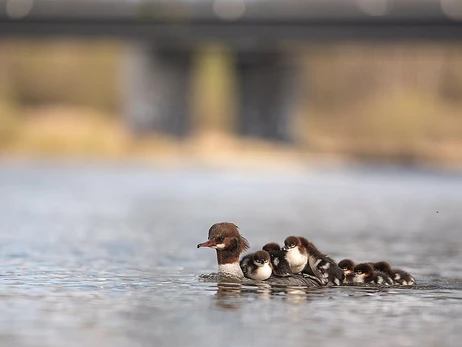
(163, 35)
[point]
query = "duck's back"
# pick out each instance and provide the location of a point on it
(294, 280)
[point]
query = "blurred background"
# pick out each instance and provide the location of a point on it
(68, 93)
(127, 128)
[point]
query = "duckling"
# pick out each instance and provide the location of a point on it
(398, 276)
(364, 273)
(296, 253)
(257, 266)
(321, 265)
(347, 265)
(281, 267)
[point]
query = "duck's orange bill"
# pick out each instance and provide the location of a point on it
(208, 243)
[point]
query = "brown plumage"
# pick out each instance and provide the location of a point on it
(228, 242)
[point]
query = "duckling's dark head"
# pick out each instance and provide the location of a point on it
(291, 242)
(347, 265)
(260, 258)
(382, 266)
(272, 246)
(364, 270)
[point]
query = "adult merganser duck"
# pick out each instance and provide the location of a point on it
(398, 276)
(296, 253)
(257, 266)
(229, 244)
(279, 262)
(364, 273)
(347, 265)
(321, 265)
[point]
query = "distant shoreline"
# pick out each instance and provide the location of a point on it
(66, 133)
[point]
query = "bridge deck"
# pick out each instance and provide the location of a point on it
(185, 21)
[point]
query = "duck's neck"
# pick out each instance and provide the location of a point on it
(228, 263)
(233, 269)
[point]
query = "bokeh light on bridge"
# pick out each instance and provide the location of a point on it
(229, 9)
(17, 9)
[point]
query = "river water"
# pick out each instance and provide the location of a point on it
(105, 255)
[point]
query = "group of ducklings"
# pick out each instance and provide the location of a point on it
(380, 273)
(300, 256)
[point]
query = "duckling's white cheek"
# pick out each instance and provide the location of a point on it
(220, 246)
(397, 277)
(380, 280)
(325, 266)
(276, 261)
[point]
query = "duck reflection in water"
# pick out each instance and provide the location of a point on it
(232, 296)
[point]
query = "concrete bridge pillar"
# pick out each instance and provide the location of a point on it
(267, 90)
(157, 91)
(156, 87)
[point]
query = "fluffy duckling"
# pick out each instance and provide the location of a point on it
(296, 253)
(257, 266)
(364, 273)
(347, 265)
(281, 267)
(321, 265)
(398, 276)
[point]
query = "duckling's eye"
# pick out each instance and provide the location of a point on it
(219, 239)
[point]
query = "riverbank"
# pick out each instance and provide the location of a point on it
(381, 104)
(60, 132)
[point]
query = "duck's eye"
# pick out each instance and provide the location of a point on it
(219, 239)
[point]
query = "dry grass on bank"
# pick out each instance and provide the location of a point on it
(65, 132)
(404, 127)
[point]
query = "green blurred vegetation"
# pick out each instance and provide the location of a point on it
(388, 102)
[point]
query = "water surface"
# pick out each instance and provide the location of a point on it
(104, 255)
